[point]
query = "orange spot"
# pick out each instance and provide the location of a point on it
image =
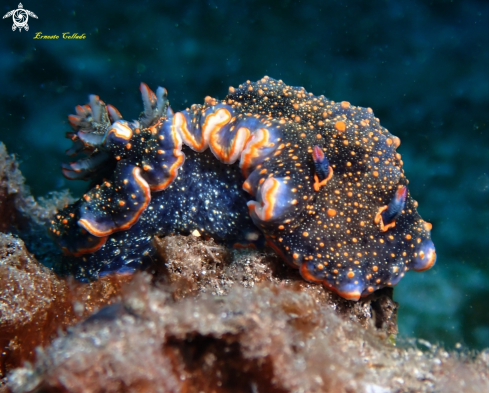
(351, 274)
(305, 234)
(331, 212)
(427, 226)
(210, 101)
(375, 268)
(340, 126)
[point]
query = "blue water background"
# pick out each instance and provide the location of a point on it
(421, 65)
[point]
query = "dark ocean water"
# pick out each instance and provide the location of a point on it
(421, 65)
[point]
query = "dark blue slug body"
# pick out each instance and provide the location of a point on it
(320, 182)
(204, 197)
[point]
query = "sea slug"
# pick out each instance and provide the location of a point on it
(319, 181)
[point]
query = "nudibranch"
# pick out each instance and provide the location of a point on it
(320, 181)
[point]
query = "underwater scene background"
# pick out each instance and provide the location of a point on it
(421, 66)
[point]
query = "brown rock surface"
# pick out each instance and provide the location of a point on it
(11, 185)
(35, 303)
(262, 339)
(18, 208)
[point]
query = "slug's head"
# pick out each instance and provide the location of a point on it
(125, 162)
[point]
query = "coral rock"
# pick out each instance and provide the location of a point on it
(35, 303)
(264, 339)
